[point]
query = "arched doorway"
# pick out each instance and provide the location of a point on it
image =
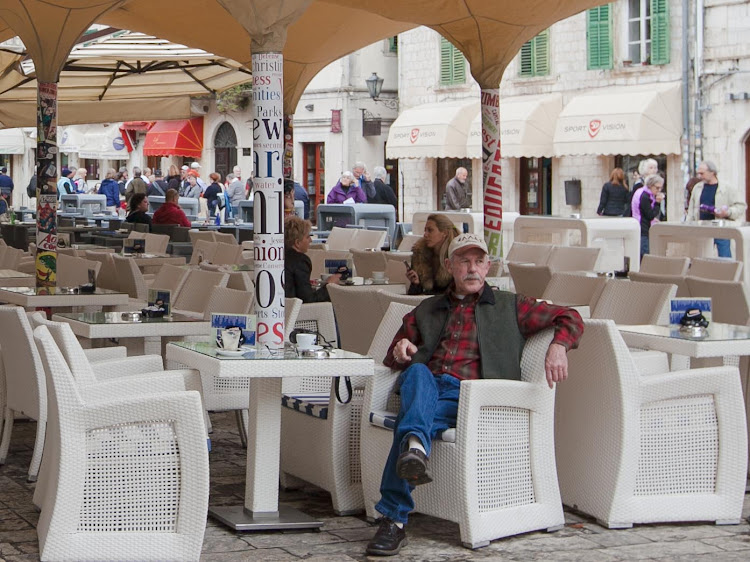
(225, 149)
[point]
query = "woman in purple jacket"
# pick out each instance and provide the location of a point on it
(346, 188)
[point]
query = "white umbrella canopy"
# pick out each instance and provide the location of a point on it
(138, 75)
(488, 32)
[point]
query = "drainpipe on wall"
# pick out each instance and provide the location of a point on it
(698, 73)
(687, 164)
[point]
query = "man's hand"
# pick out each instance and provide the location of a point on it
(404, 350)
(555, 364)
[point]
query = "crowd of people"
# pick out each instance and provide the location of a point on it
(358, 186)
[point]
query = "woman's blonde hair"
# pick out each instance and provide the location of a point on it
(295, 229)
(446, 226)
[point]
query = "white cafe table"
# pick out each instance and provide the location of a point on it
(261, 510)
(53, 297)
(105, 325)
(12, 278)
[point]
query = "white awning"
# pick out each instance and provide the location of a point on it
(527, 125)
(625, 120)
(433, 130)
(94, 141)
(14, 141)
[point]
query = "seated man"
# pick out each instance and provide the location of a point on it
(438, 345)
(170, 212)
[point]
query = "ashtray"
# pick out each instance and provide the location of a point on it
(694, 331)
(348, 282)
(316, 353)
(131, 316)
(151, 313)
(67, 290)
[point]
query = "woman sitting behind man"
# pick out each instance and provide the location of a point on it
(427, 274)
(297, 266)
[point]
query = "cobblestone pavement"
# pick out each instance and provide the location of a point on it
(344, 538)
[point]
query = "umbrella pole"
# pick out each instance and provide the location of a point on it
(492, 171)
(46, 206)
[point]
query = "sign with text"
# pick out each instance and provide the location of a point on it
(268, 197)
(492, 170)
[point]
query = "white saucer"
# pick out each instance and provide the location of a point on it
(231, 352)
(383, 281)
(311, 348)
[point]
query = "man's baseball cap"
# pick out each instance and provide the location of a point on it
(185, 167)
(195, 165)
(65, 172)
(465, 241)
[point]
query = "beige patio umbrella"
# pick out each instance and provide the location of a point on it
(131, 76)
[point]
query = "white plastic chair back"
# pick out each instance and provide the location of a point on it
(573, 258)
(229, 301)
(72, 272)
(631, 302)
(721, 269)
(130, 277)
(664, 265)
(197, 288)
(341, 239)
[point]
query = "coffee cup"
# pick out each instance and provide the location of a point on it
(230, 339)
(306, 341)
(378, 275)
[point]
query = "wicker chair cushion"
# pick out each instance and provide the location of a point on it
(387, 420)
(314, 404)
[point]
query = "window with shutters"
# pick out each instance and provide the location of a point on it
(393, 44)
(599, 37)
(535, 56)
(648, 31)
(452, 64)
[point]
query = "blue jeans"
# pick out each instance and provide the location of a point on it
(429, 404)
(723, 248)
(644, 245)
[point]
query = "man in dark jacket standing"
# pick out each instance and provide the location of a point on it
(439, 345)
(383, 193)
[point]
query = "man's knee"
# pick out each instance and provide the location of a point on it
(416, 374)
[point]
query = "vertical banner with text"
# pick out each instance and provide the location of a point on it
(46, 207)
(492, 171)
(268, 197)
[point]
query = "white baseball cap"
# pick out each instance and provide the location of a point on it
(186, 167)
(195, 165)
(464, 241)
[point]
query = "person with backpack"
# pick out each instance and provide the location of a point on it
(159, 186)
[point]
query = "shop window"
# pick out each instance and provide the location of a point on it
(599, 37)
(452, 64)
(393, 44)
(535, 56)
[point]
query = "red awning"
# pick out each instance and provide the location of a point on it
(175, 138)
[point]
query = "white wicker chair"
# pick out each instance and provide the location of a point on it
(366, 261)
(196, 290)
(341, 239)
(648, 449)
(107, 278)
(571, 289)
(494, 474)
(573, 258)
(665, 279)
(524, 252)
(631, 302)
(364, 239)
(203, 250)
(131, 279)
(320, 435)
(72, 272)
(131, 474)
(357, 315)
(170, 278)
(711, 268)
(24, 386)
(226, 254)
(529, 279)
(664, 265)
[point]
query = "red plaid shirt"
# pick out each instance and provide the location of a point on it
(457, 353)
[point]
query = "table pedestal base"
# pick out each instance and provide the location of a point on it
(240, 519)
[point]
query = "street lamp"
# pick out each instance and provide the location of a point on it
(374, 85)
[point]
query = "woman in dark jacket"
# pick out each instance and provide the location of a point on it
(297, 266)
(649, 204)
(173, 179)
(614, 198)
(212, 193)
(427, 273)
(138, 205)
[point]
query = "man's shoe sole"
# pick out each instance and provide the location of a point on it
(414, 471)
(379, 552)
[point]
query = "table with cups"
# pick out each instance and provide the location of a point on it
(266, 369)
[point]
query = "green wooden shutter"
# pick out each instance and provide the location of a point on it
(452, 64)
(541, 53)
(599, 37)
(535, 56)
(393, 44)
(659, 32)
